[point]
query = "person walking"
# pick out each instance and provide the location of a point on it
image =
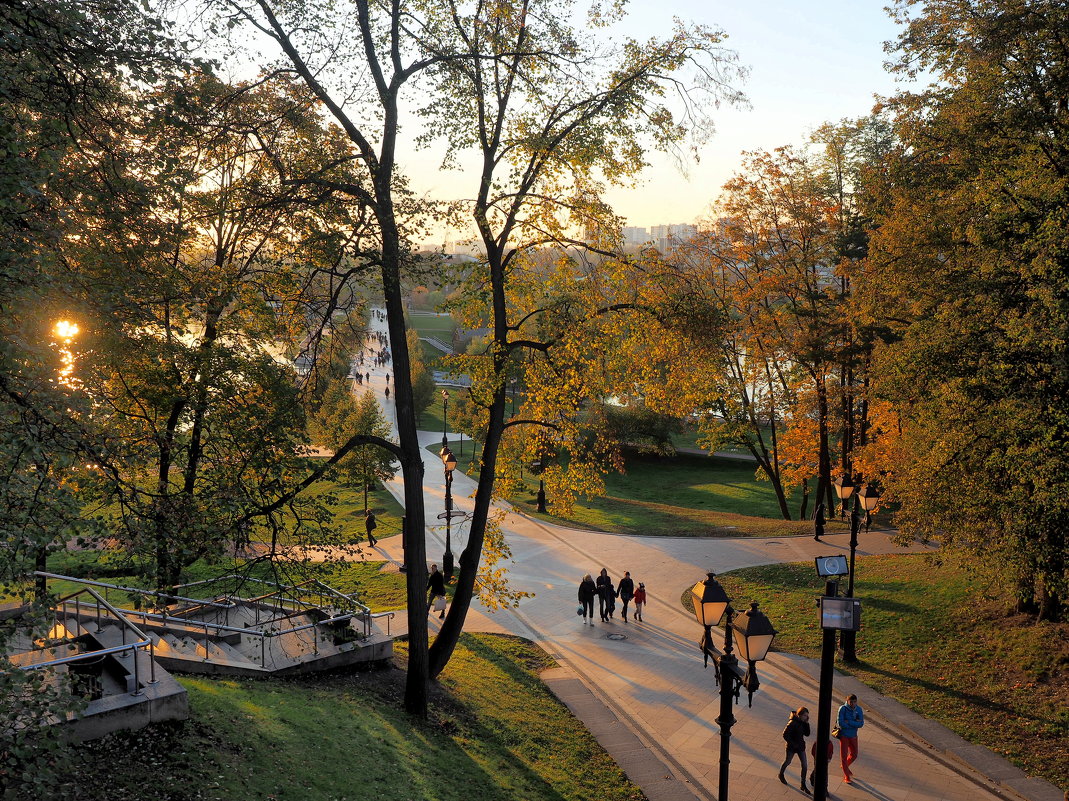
(818, 523)
(640, 601)
(830, 753)
(369, 526)
(794, 734)
(851, 718)
(435, 589)
(606, 594)
(587, 590)
(625, 591)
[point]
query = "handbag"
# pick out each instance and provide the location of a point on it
(580, 610)
(836, 732)
(439, 604)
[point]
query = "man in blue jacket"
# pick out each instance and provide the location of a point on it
(851, 718)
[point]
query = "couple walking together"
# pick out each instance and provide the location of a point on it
(851, 718)
(607, 595)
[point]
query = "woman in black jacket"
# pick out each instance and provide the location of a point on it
(794, 734)
(587, 591)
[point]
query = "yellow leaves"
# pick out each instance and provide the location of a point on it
(492, 583)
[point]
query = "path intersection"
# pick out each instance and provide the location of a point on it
(641, 687)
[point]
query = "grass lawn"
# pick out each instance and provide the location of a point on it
(430, 324)
(494, 732)
(935, 642)
(681, 496)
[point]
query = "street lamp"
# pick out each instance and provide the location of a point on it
(449, 461)
(844, 488)
(866, 498)
(445, 418)
(753, 635)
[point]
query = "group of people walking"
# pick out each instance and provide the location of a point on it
(850, 718)
(606, 593)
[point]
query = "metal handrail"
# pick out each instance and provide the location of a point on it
(123, 623)
(362, 612)
(136, 590)
(88, 655)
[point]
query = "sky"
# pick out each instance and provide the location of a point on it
(811, 61)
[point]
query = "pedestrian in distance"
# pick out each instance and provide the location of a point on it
(830, 754)
(794, 734)
(606, 596)
(625, 591)
(640, 601)
(387, 393)
(818, 522)
(369, 526)
(587, 590)
(435, 589)
(851, 718)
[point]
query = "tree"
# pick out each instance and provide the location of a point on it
(340, 417)
(64, 67)
(423, 386)
(542, 110)
(970, 264)
(217, 263)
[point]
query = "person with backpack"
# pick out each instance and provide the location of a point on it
(369, 526)
(794, 734)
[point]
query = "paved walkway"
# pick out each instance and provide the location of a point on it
(642, 690)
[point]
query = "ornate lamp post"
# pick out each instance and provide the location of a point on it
(865, 498)
(449, 461)
(753, 635)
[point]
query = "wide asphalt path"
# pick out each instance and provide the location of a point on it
(642, 689)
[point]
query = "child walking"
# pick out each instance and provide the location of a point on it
(640, 601)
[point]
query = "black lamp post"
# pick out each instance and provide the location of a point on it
(753, 635)
(445, 418)
(449, 461)
(866, 498)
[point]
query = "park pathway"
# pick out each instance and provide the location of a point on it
(641, 687)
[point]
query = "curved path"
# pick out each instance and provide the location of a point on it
(641, 688)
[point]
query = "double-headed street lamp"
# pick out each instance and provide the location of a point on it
(449, 461)
(865, 499)
(753, 635)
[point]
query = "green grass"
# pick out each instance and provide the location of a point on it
(680, 496)
(687, 496)
(935, 642)
(495, 732)
(432, 325)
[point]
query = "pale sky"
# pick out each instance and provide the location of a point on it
(811, 62)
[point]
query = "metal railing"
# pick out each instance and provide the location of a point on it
(127, 650)
(356, 610)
